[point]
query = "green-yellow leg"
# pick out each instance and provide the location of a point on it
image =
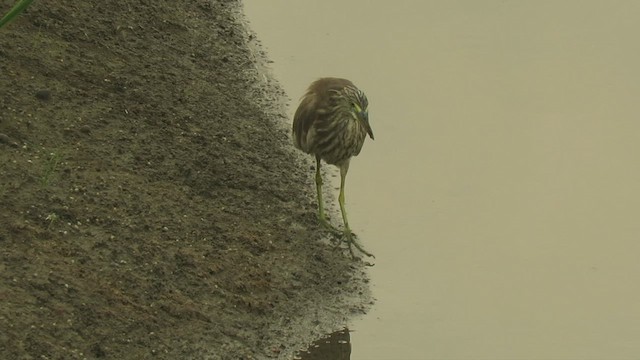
(348, 235)
(321, 217)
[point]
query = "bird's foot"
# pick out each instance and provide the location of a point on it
(351, 240)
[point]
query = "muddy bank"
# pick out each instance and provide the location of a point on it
(152, 205)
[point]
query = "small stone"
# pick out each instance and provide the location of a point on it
(7, 140)
(4, 138)
(43, 95)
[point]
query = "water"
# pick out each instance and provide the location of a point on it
(502, 193)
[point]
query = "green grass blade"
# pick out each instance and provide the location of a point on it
(17, 9)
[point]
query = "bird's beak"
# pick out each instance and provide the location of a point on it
(368, 127)
(369, 131)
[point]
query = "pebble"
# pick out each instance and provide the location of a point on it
(4, 138)
(43, 94)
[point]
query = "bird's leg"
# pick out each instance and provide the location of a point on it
(321, 217)
(348, 235)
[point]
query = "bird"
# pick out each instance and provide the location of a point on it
(332, 123)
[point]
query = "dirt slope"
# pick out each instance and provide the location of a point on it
(151, 205)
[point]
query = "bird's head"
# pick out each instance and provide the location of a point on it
(357, 104)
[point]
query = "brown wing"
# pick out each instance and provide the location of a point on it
(302, 121)
(313, 105)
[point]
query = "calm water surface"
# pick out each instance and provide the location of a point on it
(502, 193)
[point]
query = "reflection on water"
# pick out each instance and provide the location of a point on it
(336, 346)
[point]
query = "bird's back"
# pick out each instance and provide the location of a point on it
(315, 106)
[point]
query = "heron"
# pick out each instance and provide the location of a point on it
(332, 123)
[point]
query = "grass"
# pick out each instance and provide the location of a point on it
(15, 10)
(51, 218)
(51, 167)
